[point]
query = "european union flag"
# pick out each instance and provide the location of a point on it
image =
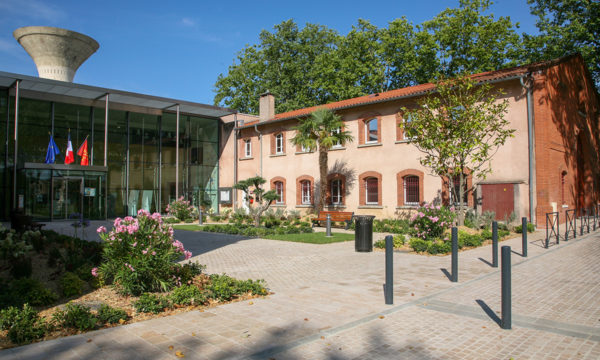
(51, 152)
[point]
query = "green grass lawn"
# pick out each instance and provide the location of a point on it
(313, 238)
(189, 227)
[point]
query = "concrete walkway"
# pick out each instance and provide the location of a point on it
(329, 304)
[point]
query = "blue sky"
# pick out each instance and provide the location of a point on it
(177, 49)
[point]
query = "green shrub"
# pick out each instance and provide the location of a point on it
(469, 240)
(75, 316)
(71, 284)
(530, 228)
(21, 267)
(187, 295)
(256, 287)
(151, 303)
(35, 239)
(486, 234)
(24, 326)
(54, 257)
(12, 246)
(419, 245)
(170, 220)
(398, 242)
(221, 287)
(502, 233)
(110, 315)
(139, 255)
(31, 291)
(439, 247)
(187, 272)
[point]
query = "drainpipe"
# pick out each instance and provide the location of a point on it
(531, 144)
(261, 152)
(235, 159)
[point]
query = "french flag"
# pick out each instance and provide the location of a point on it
(69, 157)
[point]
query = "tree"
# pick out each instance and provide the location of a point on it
(566, 26)
(458, 127)
(468, 41)
(321, 130)
(257, 199)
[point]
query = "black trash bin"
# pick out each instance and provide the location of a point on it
(363, 233)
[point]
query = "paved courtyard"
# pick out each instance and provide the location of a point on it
(328, 303)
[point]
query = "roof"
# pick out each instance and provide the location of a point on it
(411, 91)
(115, 96)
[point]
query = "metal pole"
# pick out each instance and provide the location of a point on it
(495, 244)
(106, 130)
(506, 321)
(454, 277)
(524, 235)
(16, 142)
(328, 225)
(389, 270)
(177, 154)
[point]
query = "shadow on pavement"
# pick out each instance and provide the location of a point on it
(447, 273)
(485, 261)
(200, 242)
(488, 311)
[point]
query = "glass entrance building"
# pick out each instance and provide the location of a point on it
(144, 151)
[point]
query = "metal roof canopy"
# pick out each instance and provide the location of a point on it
(116, 96)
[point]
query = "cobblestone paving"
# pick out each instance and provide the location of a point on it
(328, 304)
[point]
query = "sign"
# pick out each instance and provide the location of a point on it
(88, 191)
(225, 195)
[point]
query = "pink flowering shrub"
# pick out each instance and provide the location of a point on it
(181, 209)
(140, 255)
(430, 221)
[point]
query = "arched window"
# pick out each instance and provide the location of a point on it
(305, 186)
(371, 131)
(279, 192)
(371, 191)
(247, 148)
(336, 192)
(279, 143)
(411, 190)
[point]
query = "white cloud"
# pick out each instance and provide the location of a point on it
(188, 22)
(32, 9)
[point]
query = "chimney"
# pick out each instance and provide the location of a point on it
(266, 110)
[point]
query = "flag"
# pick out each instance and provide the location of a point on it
(83, 152)
(69, 157)
(51, 152)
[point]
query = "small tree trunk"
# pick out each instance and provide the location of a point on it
(461, 205)
(323, 176)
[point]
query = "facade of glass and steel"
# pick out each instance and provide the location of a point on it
(152, 157)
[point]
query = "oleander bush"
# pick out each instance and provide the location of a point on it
(140, 255)
(182, 209)
(430, 221)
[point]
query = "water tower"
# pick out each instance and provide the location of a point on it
(57, 53)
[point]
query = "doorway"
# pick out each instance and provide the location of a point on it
(67, 197)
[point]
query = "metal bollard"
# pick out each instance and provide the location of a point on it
(199, 216)
(454, 277)
(495, 244)
(328, 225)
(506, 321)
(389, 270)
(524, 235)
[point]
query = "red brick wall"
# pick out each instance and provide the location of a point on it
(566, 137)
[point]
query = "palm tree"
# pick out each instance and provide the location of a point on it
(322, 130)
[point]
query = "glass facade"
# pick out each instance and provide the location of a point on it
(141, 163)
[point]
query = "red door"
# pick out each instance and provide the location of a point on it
(498, 198)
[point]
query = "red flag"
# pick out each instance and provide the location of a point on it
(69, 157)
(83, 152)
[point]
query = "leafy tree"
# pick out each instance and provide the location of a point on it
(320, 131)
(566, 26)
(458, 128)
(469, 41)
(256, 199)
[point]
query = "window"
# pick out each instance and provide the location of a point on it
(279, 143)
(279, 192)
(371, 131)
(306, 192)
(304, 148)
(371, 191)
(336, 192)
(405, 132)
(247, 148)
(337, 144)
(411, 190)
(455, 191)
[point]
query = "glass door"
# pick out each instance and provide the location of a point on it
(67, 197)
